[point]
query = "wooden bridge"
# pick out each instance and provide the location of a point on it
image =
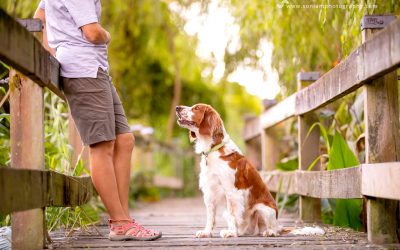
(179, 219)
(27, 188)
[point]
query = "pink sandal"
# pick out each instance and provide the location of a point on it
(130, 230)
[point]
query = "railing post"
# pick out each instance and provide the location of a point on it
(27, 151)
(382, 138)
(269, 145)
(270, 149)
(253, 145)
(308, 151)
(253, 152)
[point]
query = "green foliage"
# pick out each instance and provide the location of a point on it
(349, 117)
(304, 39)
(340, 155)
(190, 178)
(347, 212)
(142, 62)
(340, 212)
(287, 203)
(4, 139)
(4, 121)
(20, 9)
(288, 164)
(5, 220)
(141, 187)
(324, 132)
(72, 217)
(57, 150)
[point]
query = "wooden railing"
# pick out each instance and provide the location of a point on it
(372, 66)
(27, 188)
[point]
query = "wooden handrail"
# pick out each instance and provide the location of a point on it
(372, 59)
(37, 188)
(355, 182)
(22, 51)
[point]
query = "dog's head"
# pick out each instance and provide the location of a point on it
(201, 119)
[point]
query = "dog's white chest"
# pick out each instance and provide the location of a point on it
(215, 173)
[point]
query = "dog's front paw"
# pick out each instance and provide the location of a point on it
(270, 233)
(228, 233)
(203, 234)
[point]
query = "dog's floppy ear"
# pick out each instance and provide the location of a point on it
(211, 125)
(192, 136)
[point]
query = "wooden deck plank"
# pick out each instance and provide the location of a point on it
(179, 219)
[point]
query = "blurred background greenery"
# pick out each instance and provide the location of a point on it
(155, 66)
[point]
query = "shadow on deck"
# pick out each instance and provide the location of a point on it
(179, 219)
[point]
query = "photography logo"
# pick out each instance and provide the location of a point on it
(282, 4)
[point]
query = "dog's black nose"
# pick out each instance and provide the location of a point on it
(178, 108)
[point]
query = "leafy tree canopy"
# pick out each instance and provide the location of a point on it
(142, 63)
(304, 38)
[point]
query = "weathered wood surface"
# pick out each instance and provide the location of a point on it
(22, 51)
(308, 151)
(278, 113)
(280, 182)
(377, 56)
(253, 152)
(341, 183)
(381, 180)
(381, 118)
(27, 150)
(270, 150)
(252, 128)
(23, 189)
(179, 219)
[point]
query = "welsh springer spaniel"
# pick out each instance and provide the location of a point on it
(225, 174)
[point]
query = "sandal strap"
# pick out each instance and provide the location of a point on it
(130, 228)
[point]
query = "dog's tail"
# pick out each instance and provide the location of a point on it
(304, 231)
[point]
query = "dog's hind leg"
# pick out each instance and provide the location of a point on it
(269, 224)
(250, 223)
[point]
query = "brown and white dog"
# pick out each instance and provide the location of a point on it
(226, 175)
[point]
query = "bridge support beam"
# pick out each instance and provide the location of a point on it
(381, 108)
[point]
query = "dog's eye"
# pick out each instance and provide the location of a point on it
(196, 108)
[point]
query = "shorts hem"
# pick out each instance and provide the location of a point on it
(98, 139)
(123, 131)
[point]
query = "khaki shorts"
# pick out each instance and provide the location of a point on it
(95, 108)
